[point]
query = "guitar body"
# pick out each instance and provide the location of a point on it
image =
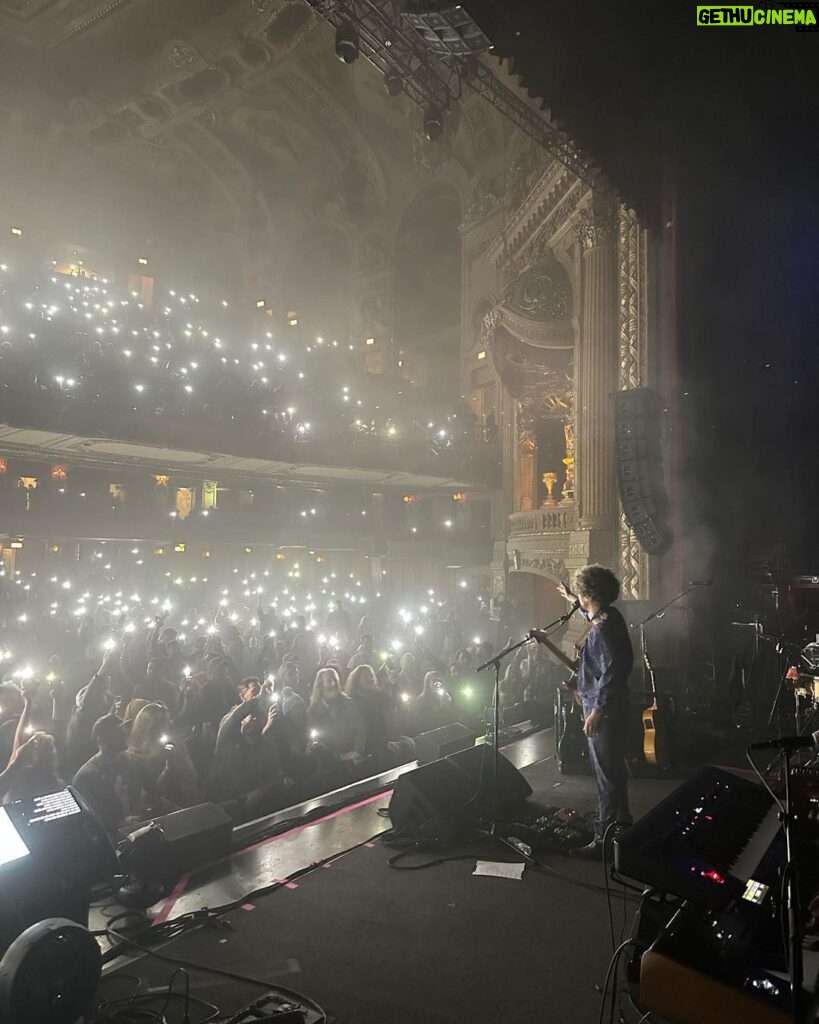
(656, 736)
(657, 724)
(572, 755)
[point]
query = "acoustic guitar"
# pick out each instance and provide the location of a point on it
(656, 724)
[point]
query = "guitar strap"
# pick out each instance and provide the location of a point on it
(581, 643)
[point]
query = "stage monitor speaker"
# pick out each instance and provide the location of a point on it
(476, 764)
(429, 804)
(439, 801)
(639, 458)
(438, 743)
(196, 836)
(181, 841)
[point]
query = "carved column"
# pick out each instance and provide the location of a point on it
(569, 463)
(527, 461)
(631, 252)
(598, 365)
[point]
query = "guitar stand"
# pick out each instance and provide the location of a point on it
(648, 670)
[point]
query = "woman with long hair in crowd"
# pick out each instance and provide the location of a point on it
(335, 721)
(432, 707)
(384, 741)
(168, 778)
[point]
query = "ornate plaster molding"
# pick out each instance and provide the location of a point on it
(549, 191)
(541, 333)
(597, 223)
(543, 565)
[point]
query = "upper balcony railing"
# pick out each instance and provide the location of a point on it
(76, 359)
(471, 463)
(556, 519)
(56, 515)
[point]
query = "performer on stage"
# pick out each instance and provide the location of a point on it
(606, 660)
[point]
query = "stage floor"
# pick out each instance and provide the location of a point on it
(375, 944)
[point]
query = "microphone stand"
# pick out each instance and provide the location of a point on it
(495, 663)
(781, 645)
(659, 612)
(794, 952)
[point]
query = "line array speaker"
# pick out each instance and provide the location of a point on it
(638, 447)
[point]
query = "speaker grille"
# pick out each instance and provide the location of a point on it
(638, 451)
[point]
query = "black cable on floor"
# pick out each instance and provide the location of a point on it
(611, 974)
(135, 1008)
(606, 835)
(393, 861)
(222, 973)
(538, 865)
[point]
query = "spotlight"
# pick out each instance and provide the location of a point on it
(393, 83)
(50, 974)
(433, 123)
(347, 42)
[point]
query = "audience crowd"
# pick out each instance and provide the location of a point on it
(97, 359)
(255, 709)
(248, 696)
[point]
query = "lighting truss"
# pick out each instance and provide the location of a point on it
(391, 44)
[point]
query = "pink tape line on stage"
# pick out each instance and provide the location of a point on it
(181, 885)
(178, 890)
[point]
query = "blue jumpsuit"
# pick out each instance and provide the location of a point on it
(606, 661)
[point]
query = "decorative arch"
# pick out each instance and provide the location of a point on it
(452, 179)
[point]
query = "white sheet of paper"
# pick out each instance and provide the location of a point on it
(498, 870)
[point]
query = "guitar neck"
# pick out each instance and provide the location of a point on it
(555, 650)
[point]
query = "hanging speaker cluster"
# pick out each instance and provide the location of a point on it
(639, 422)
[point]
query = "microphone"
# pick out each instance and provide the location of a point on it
(810, 739)
(699, 583)
(571, 611)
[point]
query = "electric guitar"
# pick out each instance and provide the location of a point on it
(572, 745)
(564, 659)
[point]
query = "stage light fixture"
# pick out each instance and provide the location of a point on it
(393, 83)
(433, 123)
(347, 42)
(50, 974)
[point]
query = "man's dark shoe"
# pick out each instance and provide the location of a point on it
(594, 851)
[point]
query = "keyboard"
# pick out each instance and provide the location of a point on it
(707, 842)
